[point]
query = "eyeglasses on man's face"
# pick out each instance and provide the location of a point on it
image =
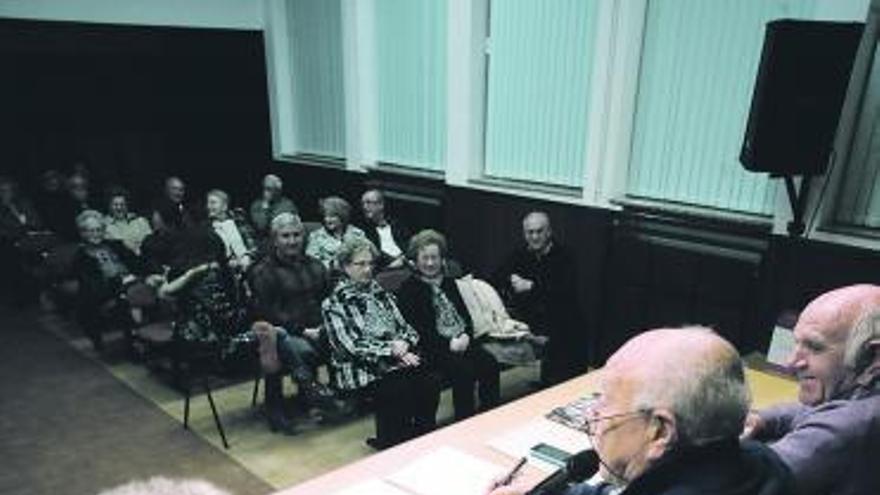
(591, 421)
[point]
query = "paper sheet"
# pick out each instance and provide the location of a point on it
(371, 487)
(518, 441)
(446, 471)
(781, 346)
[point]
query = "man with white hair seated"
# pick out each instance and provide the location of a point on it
(831, 440)
(269, 205)
(671, 405)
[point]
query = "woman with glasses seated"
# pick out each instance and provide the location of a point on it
(431, 302)
(104, 268)
(375, 351)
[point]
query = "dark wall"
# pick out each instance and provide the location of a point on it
(134, 103)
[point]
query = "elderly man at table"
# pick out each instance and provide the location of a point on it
(831, 440)
(672, 404)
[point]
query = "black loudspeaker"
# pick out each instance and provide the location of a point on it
(799, 91)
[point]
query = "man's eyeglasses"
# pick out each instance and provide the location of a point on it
(589, 426)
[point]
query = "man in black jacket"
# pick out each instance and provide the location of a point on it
(671, 405)
(389, 236)
(539, 284)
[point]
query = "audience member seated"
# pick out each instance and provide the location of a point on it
(236, 235)
(103, 268)
(19, 220)
(210, 311)
(52, 199)
(78, 199)
(375, 351)
(430, 301)
(122, 225)
(324, 242)
(831, 439)
(17, 214)
(173, 198)
(157, 250)
(385, 232)
(538, 282)
(288, 288)
(268, 206)
(670, 408)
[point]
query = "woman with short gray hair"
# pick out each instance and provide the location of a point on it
(103, 268)
(376, 352)
(431, 302)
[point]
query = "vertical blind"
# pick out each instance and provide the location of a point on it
(859, 199)
(318, 93)
(540, 54)
(411, 82)
(697, 74)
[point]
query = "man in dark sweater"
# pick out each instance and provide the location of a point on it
(288, 288)
(666, 421)
(538, 282)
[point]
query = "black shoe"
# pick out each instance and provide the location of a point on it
(278, 423)
(376, 444)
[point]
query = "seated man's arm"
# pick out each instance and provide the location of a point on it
(817, 449)
(774, 422)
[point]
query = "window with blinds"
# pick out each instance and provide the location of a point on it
(858, 203)
(315, 36)
(411, 82)
(539, 59)
(696, 79)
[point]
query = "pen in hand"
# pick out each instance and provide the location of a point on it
(508, 478)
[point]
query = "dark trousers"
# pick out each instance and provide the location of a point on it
(405, 404)
(477, 367)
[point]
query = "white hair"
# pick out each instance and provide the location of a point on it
(88, 216)
(159, 485)
(866, 333)
(273, 181)
(709, 397)
(283, 220)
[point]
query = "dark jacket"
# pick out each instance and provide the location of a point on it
(415, 300)
(400, 234)
(727, 467)
(94, 288)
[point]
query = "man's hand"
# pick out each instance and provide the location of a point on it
(753, 425)
(399, 348)
(397, 262)
(312, 333)
(520, 284)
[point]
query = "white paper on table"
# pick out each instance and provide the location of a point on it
(447, 471)
(781, 346)
(518, 441)
(371, 487)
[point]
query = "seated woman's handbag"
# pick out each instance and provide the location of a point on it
(509, 340)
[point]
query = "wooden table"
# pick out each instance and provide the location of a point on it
(471, 435)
